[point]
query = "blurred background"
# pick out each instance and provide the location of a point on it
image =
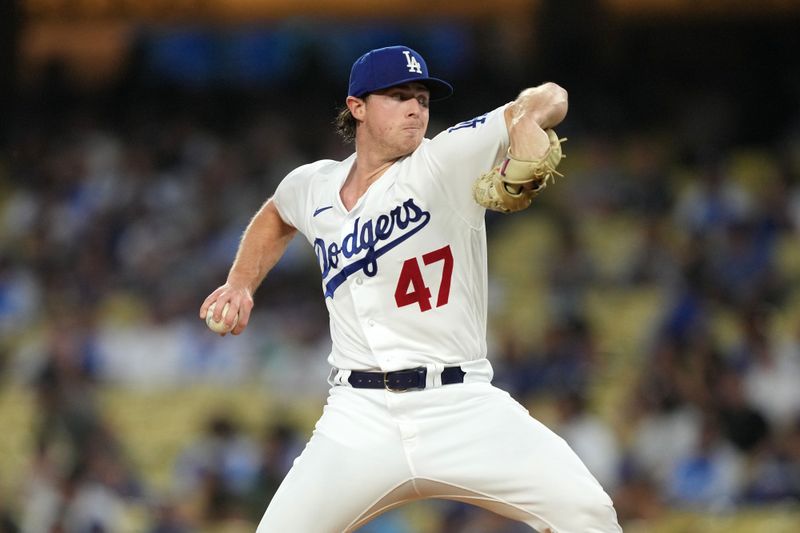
(647, 307)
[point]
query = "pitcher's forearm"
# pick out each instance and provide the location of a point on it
(534, 110)
(546, 104)
(263, 244)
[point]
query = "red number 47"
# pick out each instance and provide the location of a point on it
(411, 286)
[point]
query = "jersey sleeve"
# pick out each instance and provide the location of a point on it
(463, 152)
(291, 198)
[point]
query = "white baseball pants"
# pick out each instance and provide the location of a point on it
(374, 450)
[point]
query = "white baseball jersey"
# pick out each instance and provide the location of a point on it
(404, 272)
(404, 275)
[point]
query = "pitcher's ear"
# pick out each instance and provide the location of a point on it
(357, 106)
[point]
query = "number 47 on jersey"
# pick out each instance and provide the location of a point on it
(411, 288)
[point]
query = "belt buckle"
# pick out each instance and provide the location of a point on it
(388, 387)
(421, 371)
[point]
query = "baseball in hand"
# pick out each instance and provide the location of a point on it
(220, 327)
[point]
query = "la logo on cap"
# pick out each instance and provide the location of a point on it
(412, 63)
(386, 67)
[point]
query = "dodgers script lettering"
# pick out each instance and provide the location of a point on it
(388, 229)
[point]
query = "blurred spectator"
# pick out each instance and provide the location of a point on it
(95, 492)
(69, 414)
(590, 437)
(91, 505)
(686, 312)
(771, 380)
(654, 260)
(7, 522)
(571, 271)
(742, 424)
(217, 469)
(280, 446)
(710, 204)
(516, 368)
(587, 191)
(648, 192)
(773, 475)
(741, 268)
(665, 426)
(708, 476)
(638, 499)
(562, 363)
(752, 336)
(168, 517)
(568, 356)
(41, 491)
(20, 297)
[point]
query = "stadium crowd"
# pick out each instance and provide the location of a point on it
(115, 221)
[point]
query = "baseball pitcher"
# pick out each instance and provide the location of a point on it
(399, 235)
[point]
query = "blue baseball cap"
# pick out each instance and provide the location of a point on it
(393, 65)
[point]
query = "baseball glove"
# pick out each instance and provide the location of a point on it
(514, 184)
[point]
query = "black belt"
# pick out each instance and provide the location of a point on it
(402, 380)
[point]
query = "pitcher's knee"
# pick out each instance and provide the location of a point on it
(586, 511)
(574, 508)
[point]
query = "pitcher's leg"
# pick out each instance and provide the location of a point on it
(497, 456)
(353, 462)
(328, 488)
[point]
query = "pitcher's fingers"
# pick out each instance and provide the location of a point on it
(219, 304)
(210, 299)
(244, 319)
(205, 305)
